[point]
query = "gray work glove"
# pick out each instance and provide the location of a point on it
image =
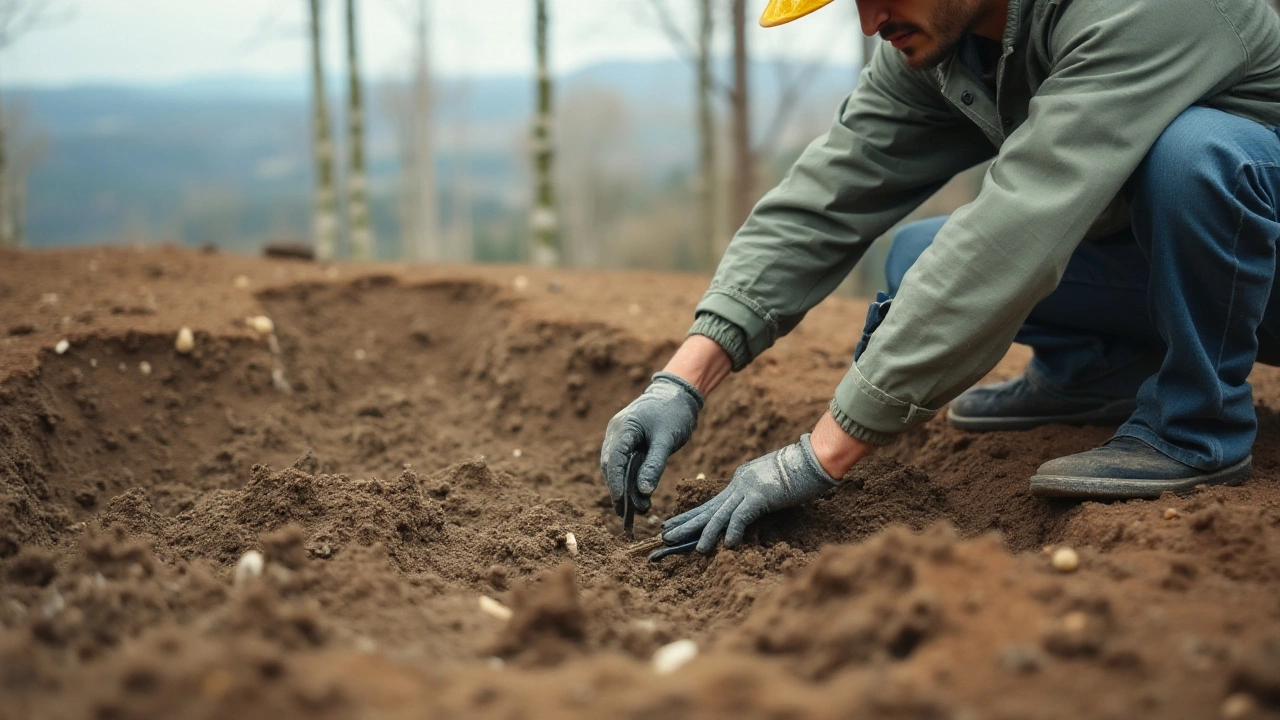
(650, 430)
(782, 479)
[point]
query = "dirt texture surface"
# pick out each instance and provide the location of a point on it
(363, 511)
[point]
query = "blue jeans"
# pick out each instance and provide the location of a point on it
(1175, 309)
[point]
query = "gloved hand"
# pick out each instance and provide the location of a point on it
(651, 428)
(782, 479)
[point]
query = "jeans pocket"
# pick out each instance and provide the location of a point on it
(875, 315)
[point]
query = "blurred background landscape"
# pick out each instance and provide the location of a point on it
(145, 122)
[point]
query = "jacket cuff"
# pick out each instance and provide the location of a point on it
(759, 326)
(871, 415)
(726, 335)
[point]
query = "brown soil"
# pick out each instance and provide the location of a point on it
(432, 434)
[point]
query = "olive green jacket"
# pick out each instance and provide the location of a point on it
(1083, 89)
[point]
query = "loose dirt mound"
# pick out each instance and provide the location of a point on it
(409, 441)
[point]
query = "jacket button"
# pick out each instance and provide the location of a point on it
(966, 97)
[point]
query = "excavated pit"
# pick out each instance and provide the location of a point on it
(401, 448)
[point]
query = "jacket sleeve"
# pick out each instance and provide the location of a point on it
(894, 142)
(1119, 73)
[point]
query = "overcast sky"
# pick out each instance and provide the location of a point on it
(148, 41)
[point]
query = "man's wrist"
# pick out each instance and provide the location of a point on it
(701, 362)
(836, 450)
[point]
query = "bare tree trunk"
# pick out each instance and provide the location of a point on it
(362, 240)
(7, 236)
(324, 219)
(708, 180)
(544, 222)
(427, 243)
(743, 161)
(461, 228)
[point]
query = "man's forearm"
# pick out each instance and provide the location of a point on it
(836, 449)
(701, 362)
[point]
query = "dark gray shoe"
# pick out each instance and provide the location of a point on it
(1020, 404)
(1126, 467)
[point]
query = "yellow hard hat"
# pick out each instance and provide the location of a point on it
(779, 12)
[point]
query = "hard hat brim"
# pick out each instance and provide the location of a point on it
(780, 12)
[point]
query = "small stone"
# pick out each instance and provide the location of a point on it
(93, 362)
(261, 324)
(673, 656)
(249, 566)
(571, 544)
(241, 282)
(1065, 560)
(1075, 622)
(144, 367)
(186, 341)
(49, 298)
(701, 476)
(62, 347)
(517, 453)
(521, 283)
(360, 355)
(634, 310)
(1238, 706)
(492, 607)
(1171, 513)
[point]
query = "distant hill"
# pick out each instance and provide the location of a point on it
(227, 160)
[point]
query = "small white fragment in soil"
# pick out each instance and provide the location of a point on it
(489, 606)
(1065, 560)
(673, 656)
(495, 663)
(62, 347)
(144, 367)
(186, 341)
(124, 368)
(49, 298)
(1171, 513)
(360, 355)
(93, 362)
(331, 272)
(571, 543)
(249, 566)
(273, 344)
(261, 324)
(1238, 706)
(521, 283)
(654, 519)
(54, 604)
(278, 381)
(701, 476)
(241, 282)
(365, 645)
(517, 453)
(634, 310)
(646, 625)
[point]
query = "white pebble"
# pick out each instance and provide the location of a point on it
(49, 298)
(144, 367)
(701, 476)
(279, 382)
(1065, 560)
(673, 656)
(521, 283)
(360, 355)
(241, 282)
(489, 606)
(1171, 513)
(261, 324)
(249, 566)
(62, 347)
(186, 341)
(1238, 706)
(93, 362)
(571, 543)
(517, 453)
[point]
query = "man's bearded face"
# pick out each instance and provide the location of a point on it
(934, 37)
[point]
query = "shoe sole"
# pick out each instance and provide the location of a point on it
(1118, 488)
(1113, 413)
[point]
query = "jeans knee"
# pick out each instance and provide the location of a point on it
(909, 243)
(1200, 150)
